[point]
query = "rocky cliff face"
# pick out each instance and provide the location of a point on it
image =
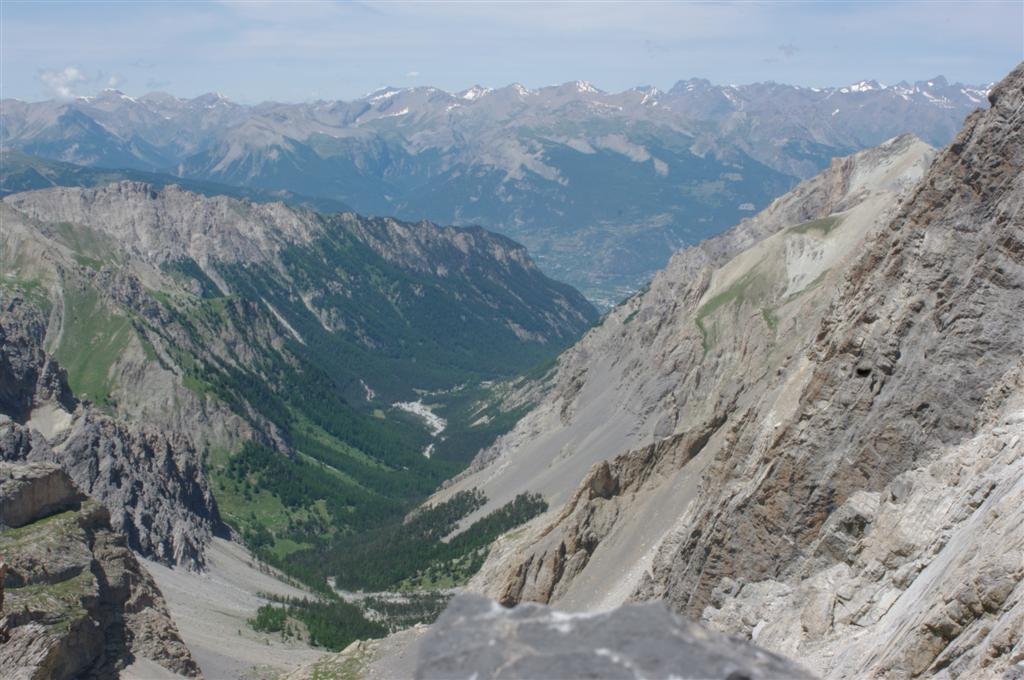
(921, 577)
(171, 223)
(922, 355)
(925, 324)
(718, 319)
(827, 445)
(74, 601)
(150, 481)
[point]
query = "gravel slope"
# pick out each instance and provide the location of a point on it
(211, 609)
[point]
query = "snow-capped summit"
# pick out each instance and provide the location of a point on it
(474, 92)
(866, 86)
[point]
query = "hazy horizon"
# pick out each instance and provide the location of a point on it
(305, 51)
(135, 95)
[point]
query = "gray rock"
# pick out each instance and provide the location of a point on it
(27, 373)
(477, 638)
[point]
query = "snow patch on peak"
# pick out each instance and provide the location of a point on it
(978, 96)
(382, 94)
(938, 101)
(650, 95)
(866, 86)
(474, 92)
(110, 93)
(211, 99)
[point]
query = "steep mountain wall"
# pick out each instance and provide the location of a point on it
(927, 322)
(841, 480)
(650, 370)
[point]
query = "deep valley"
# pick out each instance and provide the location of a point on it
(711, 381)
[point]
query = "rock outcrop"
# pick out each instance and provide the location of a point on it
(150, 481)
(476, 637)
(925, 576)
(76, 603)
(833, 464)
(33, 491)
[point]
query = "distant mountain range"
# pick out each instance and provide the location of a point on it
(601, 186)
(22, 172)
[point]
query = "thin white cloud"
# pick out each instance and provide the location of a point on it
(412, 74)
(64, 82)
(72, 81)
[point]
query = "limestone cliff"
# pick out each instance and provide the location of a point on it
(723, 316)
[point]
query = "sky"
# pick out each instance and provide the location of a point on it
(300, 51)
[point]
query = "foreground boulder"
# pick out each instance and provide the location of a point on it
(476, 637)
